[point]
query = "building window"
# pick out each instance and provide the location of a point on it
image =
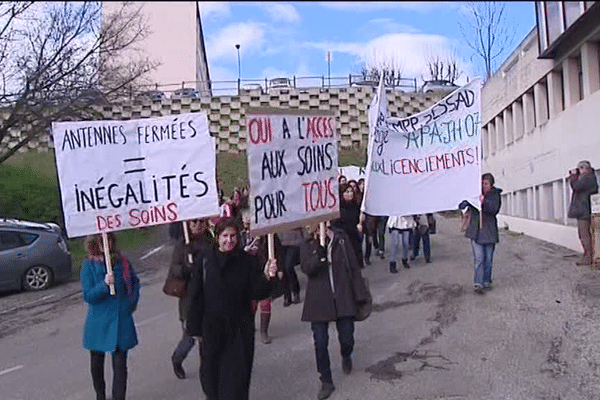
(554, 20)
(588, 4)
(572, 11)
(580, 76)
(562, 91)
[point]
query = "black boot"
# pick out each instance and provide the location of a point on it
(405, 263)
(393, 269)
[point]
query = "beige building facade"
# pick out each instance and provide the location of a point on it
(541, 116)
(176, 42)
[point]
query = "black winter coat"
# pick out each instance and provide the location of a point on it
(220, 312)
(583, 187)
(487, 231)
(321, 304)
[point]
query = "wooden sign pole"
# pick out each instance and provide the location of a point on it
(271, 247)
(322, 233)
(186, 238)
(108, 261)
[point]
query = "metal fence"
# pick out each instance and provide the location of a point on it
(235, 87)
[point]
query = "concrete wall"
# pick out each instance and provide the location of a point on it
(226, 114)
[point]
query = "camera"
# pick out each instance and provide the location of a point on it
(574, 171)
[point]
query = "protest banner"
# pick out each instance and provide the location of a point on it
(292, 168)
(353, 172)
(426, 162)
(117, 175)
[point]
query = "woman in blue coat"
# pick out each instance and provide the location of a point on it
(109, 325)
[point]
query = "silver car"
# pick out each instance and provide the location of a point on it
(33, 255)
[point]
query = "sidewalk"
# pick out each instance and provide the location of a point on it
(533, 336)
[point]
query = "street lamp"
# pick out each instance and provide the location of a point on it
(237, 46)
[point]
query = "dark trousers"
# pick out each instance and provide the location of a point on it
(345, 328)
(416, 242)
(381, 224)
(291, 258)
(119, 362)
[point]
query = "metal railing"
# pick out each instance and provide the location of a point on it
(236, 87)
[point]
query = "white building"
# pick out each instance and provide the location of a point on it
(176, 41)
(541, 116)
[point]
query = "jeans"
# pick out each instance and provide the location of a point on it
(398, 235)
(345, 328)
(119, 362)
(484, 257)
(416, 240)
(290, 260)
(184, 346)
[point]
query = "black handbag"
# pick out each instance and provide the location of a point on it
(175, 286)
(361, 292)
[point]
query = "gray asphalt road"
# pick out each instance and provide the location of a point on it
(534, 336)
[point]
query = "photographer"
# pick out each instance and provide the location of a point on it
(584, 184)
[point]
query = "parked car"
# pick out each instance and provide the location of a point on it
(251, 87)
(279, 83)
(33, 255)
(185, 93)
(150, 95)
(438, 86)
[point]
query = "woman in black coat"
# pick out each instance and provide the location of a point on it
(225, 280)
(329, 297)
(349, 219)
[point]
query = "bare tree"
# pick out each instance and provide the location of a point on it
(487, 31)
(392, 75)
(443, 67)
(57, 59)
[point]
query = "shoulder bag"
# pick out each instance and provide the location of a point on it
(361, 292)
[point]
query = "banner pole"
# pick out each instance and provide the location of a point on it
(322, 233)
(186, 238)
(108, 261)
(271, 248)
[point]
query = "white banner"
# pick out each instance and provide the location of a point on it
(293, 169)
(426, 162)
(353, 172)
(117, 175)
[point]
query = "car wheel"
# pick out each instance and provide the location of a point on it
(37, 278)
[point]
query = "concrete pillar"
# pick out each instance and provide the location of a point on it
(485, 140)
(571, 79)
(535, 201)
(492, 137)
(555, 90)
(589, 67)
(557, 195)
(541, 102)
(499, 125)
(518, 126)
(528, 112)
(507, 117)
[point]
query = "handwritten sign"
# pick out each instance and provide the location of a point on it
(293, 168)
(426, 162)
(353, 172)
(117, 175)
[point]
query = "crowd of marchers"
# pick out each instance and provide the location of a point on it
(229, 276)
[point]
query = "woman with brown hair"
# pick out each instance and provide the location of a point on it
(109, 325)
(225, 280)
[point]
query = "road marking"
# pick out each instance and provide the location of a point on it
(152, 319)
(27, 304)
(148, 254)
(6, 371)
